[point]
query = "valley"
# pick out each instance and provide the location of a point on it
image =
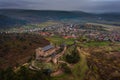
(59, 45)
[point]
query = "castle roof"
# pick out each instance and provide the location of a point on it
(48, 47)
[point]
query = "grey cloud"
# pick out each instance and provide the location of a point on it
(84, 5)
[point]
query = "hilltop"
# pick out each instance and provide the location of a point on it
(8, 22)
(17, 18)
(16, 49)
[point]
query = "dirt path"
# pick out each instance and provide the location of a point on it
(60, 54)
(81, 67)
(65, 63)
(57, 73)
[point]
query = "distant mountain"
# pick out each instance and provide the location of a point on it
(39, 16)
(8, 22)
(111, 16)
(11, 18)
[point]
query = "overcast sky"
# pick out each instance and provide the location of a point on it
(81, 5)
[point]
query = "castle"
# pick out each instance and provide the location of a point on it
(46, 53)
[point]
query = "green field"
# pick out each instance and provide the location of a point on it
(44, 24)
(57, 40)
(44, 65)
(96, 43)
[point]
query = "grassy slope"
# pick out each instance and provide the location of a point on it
(80, 68)
(96, 43)
(59, 40)
(83, 70)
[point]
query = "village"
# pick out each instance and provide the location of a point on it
(75, 31)
(91, 31)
